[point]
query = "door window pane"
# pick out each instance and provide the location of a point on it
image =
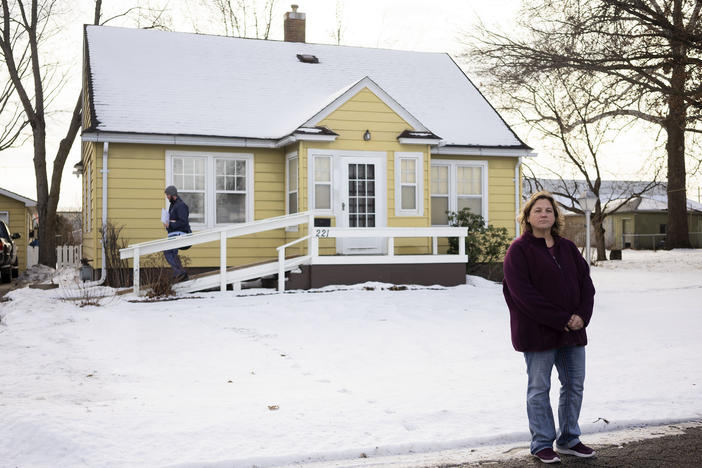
(292, 202)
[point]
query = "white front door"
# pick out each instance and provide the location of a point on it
(362, 203)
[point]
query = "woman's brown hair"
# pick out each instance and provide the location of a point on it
(526, 210)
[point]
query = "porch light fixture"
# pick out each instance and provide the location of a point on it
(367, 135)
(587, 202)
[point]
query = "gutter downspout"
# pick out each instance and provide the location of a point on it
(103, 270)
(517, 195)
(105, 147)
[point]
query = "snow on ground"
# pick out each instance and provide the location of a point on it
(265, 380)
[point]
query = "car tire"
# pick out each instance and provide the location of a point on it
(15, 269)
(6, 275)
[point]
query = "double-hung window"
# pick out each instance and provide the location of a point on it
(322, 183)
(456, 185)
(292, 183)
(217, 187)
(409, 189)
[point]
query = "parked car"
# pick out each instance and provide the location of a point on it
(9, 265)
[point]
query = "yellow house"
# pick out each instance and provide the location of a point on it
(18, 213)
(250, 130)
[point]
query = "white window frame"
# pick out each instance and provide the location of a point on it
(5, 216)
(210, 182)
(288, 158)
(418, 157)
(313, 182)
(453, 165)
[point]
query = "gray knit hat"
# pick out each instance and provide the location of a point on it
(171, 190)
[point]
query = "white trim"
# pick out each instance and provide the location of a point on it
(453, 194)
(365, 82)
(419, 177)
(289, 157)
(7, 217)
(199, 140)
(419, 141)
(386, 259)
(210, 182)
(26, 201)
(476, 151)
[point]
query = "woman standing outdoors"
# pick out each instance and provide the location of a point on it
(550, 297)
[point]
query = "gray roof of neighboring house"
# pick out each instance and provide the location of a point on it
(156, 82)
(20, 198)
(615, 193)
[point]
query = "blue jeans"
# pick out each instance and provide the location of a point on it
(174, 261)
(570, 363)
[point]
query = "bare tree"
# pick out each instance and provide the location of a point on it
(652, 49)
(560, 106)
(25, 30)
(243, 18)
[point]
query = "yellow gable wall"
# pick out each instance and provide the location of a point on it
(366, 111)
(136, 180)
(20, 220)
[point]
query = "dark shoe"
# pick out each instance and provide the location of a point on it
(547, 455)
(579, 450)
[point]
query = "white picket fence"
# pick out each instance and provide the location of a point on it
(68, 255)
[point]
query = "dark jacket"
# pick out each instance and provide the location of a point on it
(542, 293)
(179, 213)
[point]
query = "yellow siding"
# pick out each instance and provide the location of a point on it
(18, 213)
(136, 179)
(91, 244)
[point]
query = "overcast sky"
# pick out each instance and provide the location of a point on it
(420, 25)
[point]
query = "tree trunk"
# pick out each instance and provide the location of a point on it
(677, 232)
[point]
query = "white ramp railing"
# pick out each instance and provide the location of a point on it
(220, 234)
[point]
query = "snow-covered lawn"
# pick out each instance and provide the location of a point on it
(266, 380)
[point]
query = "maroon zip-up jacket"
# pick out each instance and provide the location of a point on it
(542, 292)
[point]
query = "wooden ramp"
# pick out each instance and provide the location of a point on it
(211, 279)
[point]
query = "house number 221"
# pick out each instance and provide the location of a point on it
(321, 232)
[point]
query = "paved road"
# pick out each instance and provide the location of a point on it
(675, 451)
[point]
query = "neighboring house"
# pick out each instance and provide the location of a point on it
(638, 223)
(19, 213)
(255, 129)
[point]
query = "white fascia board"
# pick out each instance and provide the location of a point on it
(164, 139)
(20, 198)
(186, 140)
(473, 151)
(419, 141)
(366, 82)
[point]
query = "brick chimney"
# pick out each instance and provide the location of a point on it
(294, 25)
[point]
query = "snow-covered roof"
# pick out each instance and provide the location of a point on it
(20, 198)
(156, 82)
